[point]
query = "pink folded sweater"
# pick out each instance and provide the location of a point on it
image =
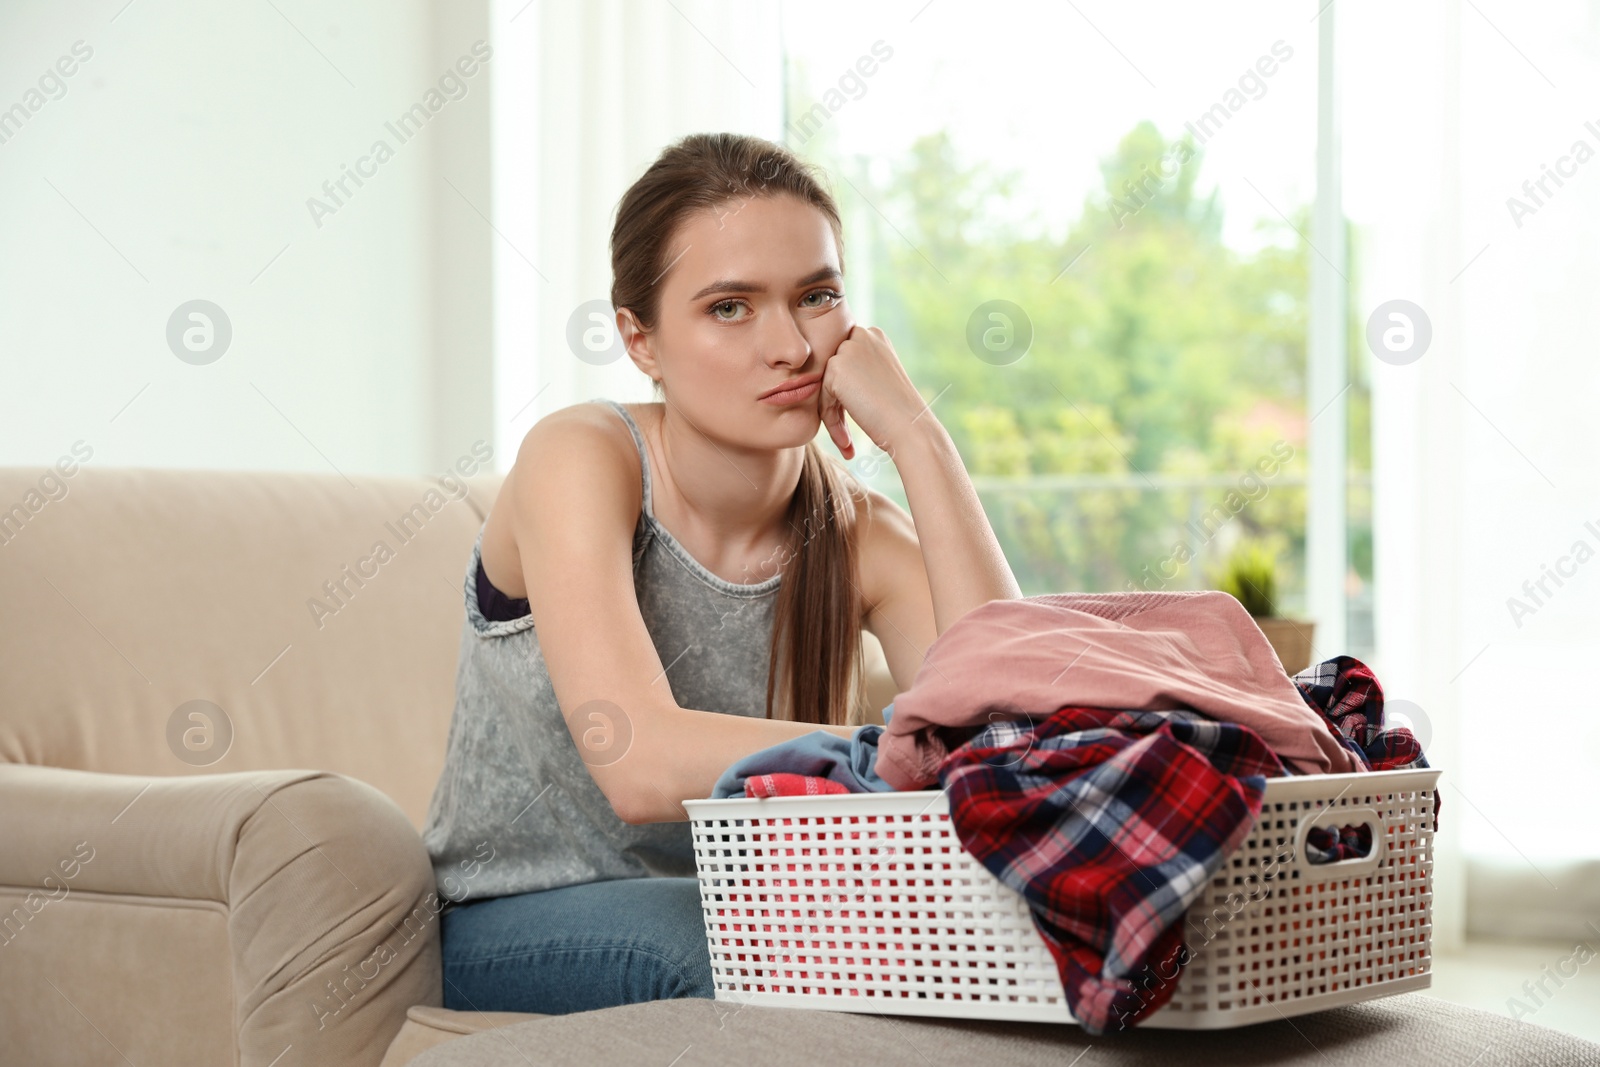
(1031, 656)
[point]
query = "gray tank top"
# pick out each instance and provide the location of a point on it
(516, 809)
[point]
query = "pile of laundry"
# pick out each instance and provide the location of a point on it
(1102, 755)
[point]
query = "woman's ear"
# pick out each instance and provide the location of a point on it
(637, 340)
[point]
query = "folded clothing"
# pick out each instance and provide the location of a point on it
(790, 785)
(1327, 844)
(1342, 690)
(1109, 824)
(848, 762)
(1027, 657)
(1345, 694)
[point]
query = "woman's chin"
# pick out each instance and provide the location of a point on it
(798, 425)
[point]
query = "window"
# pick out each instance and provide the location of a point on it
(1089, 244)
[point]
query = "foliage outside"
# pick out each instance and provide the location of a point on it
(1251, 576)
(1164, 364)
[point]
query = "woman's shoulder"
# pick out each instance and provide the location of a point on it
(576, 459)
(590, 428)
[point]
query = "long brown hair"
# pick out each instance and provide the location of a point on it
(816, 647)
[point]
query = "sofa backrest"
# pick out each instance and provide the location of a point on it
(316, 617)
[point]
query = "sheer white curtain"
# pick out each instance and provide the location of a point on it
(587, 94)
(1484, 447)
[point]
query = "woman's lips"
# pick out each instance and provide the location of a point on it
(793, 396)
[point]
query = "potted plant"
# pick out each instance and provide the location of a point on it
(1251, 575)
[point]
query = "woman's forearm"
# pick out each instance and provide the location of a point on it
(959, 549)
(679, 753)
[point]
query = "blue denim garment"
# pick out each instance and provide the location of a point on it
(577, 947)
(852, 762)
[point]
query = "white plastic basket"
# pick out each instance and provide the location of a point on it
(867, 902)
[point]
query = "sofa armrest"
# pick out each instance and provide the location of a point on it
(329, 897)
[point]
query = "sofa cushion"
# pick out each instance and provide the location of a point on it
(89, 977)
(1411, 1029)
(139, 600)
(264, 594)
(426, 1027)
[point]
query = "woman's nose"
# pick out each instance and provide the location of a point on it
(788, 343)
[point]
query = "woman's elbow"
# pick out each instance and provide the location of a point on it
(629, 809)
(638, 810)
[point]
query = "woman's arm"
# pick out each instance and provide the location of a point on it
(574, 497)
(959, 550)
(680, 753)
(965, 566)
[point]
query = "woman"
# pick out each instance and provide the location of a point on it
(698, 573)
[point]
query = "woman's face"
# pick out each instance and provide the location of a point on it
(753, 297)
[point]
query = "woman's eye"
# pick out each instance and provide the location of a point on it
(726, 311)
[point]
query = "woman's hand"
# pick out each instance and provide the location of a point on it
(866, 379)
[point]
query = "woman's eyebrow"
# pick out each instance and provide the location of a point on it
(734, 286)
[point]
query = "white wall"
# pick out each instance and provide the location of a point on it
(176, 164)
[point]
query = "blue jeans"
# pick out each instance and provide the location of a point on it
(577, 948)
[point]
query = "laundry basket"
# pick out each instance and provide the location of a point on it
(867, 902)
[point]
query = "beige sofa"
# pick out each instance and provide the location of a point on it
(242, 879)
